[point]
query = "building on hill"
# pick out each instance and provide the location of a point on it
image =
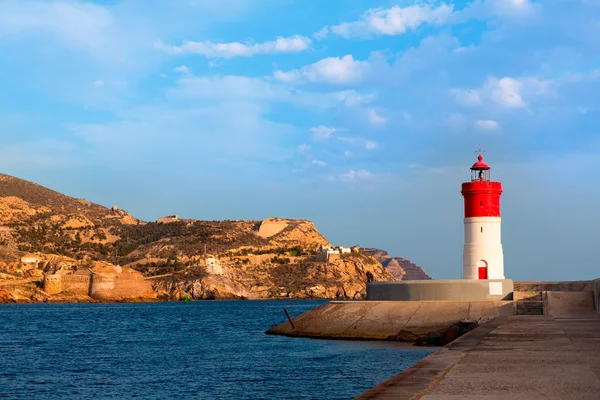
(30, 259)
(213, 266)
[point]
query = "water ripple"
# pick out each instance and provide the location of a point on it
(204, 350)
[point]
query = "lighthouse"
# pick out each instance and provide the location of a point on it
(483, 260)
(482, 256)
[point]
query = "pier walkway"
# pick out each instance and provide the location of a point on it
(515, 357)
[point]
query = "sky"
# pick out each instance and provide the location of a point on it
(361, 116)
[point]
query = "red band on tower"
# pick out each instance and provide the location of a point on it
(482, 199)
(482, 196)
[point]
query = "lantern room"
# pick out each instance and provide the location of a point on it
(480, 171)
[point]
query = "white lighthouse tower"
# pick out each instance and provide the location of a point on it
(482, 257)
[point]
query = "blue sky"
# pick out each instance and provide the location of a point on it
(362, 116)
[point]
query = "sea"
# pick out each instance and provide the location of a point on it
(201, 350)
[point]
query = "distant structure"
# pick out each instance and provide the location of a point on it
(213, 266)
(333, 253)
(168, 219)
(482, 255)
(101, 282)
(30, 259)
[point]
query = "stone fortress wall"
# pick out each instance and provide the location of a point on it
(52, 284)
(118, 282)
(75, 284)
(105, 283)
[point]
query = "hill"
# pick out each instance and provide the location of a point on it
(44, 231)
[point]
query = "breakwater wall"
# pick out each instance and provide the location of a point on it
(441, 290)
(388, 320)
(592, 286)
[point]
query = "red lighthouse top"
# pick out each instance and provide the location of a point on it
(480, 165)
(482, 196)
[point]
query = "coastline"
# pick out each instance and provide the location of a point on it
(16, 296)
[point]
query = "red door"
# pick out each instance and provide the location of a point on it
(482, 272)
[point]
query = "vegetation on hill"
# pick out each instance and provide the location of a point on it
(274, 258)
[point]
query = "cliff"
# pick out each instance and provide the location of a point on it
(46, 236)
(401, 268)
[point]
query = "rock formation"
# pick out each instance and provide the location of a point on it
(401, 268)
(271, 227)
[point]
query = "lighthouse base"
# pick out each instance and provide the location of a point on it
(455, 290)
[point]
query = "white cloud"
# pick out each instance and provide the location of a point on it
(351, 98)
(322, 34)
(80, 24)
(392, 21)
(348, 153)
(369, 145)
(332, 70)
(78, 27)
(374, 118)
(511, 8)
(487, 124)
(467, 97)
(293, 44)
(462, 49)
(195, 131)
(352, 175)
(182, 69)
(507, 92)
(243, 88)
(319, 163)
(321, 132)
(505, 9)
(303, 148)
(98, 84)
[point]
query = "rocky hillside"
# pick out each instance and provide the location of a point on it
(275, 258)
(401, 268)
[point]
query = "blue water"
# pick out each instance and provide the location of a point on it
(204, 350)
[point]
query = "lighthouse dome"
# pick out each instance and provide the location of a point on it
(480, 165)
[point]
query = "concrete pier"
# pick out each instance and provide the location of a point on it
(514, 357)
(388, 320)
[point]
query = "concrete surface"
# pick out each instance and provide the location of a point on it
(387, 320)
(515, 357)
(441, 290)
(569, 303)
